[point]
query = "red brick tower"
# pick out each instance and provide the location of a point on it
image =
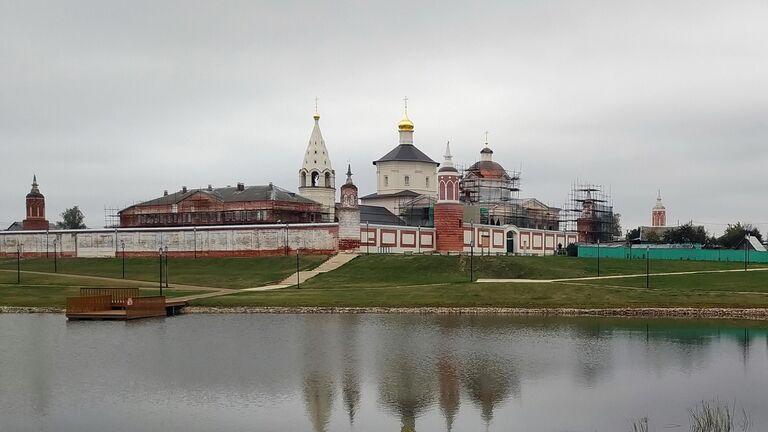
(349, 215)
(35, 219)
(659, 213)
(449, 213)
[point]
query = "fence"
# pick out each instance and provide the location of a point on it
(727, 255)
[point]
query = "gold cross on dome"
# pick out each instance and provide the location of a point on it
(405, 100)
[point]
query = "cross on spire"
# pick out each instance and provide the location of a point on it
(405, 101)
(316, 99)
(486, 138)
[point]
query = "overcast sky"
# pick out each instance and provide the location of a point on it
(111, 102)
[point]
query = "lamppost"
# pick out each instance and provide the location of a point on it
(746, 251)
(160, 253)
(194, 242)
(367, 239)
(55, 263)
(298, 277)
(647, 266)
(598, 257)
(18, 263)
(418, 240)
(166, 266)
(472, 251)
(286, 239)
(122, 246)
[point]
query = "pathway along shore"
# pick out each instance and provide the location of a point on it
(658, 312)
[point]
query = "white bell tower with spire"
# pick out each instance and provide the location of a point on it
(317, 179)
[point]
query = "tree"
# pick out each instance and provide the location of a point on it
(73, 219)
(633, 234)
(734, 234)
(687, 233)
(652, 237)
(616, 225)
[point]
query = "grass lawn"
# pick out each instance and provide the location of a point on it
(409, 281)
(55, 296)
(213, 272)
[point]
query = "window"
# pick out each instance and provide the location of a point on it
(407, 180)
(427, 182)
(386, 181)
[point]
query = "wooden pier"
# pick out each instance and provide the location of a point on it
(119, 304)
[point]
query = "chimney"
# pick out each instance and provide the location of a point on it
(240, 187)
(165, 192)
(183, 189)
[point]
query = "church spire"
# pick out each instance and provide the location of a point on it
(349, 173)
(35, 188)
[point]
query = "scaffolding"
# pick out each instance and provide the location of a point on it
(478, 190)
(589, 212)
(111, 217)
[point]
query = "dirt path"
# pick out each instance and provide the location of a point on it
(614, 276)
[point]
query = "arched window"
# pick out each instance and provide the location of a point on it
(327, 179)
(407, 180)
(315, 178)
(303, 179)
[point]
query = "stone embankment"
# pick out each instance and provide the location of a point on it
(708, 313)
(729, 313)
(26, 309)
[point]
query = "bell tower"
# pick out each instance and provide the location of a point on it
(317, 179)
(659, 213)
(449, 212)
(35, 219)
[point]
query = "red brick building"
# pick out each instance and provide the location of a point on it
(240, 205)
(35, 219)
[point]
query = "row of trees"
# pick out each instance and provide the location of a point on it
(688, 233)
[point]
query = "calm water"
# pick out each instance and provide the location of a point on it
(372, 373)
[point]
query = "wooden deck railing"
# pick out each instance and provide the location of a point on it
(143, 307)
(92, 303)
(118, 295)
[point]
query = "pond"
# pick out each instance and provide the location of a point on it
(265, 372)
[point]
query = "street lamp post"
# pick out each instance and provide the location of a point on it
(160, 253)
(647, 266)
(286, 239)
(367, 239)
(166, 266)
(598, 257)
(55, 263)
(746, 251)
(122, 246)
(472, 251)
(18, 263)
(298, 277)
(194, 242)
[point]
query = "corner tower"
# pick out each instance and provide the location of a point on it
(35, 219)
(659, 213)
(317, 179)
(349, 215)
(449, 213)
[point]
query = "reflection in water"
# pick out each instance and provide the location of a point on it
(489, 381)
(318, 383)
(350, 380)
(372, 373)
(318, 396)
(448, 379)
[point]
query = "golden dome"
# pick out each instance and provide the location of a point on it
(405, 124)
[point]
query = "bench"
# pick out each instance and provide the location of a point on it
(118, 295)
